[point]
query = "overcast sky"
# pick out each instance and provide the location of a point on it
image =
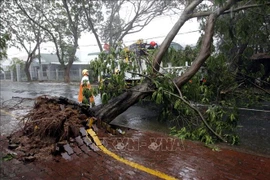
(155, 31)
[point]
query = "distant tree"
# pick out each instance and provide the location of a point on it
(4, 37)
(14, 62)
(239, 40)
(126, 17)
(62, 20)
(25, 34)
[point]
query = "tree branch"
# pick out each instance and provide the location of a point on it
(167, 41)
(207, 13)
(91, 25)
(192, 107)
(205, 46)
(42, 27)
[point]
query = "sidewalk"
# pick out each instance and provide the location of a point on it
(182, 160)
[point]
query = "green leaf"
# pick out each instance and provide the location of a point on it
(104, 97)
(177, 104)
(159, 98)
(8, 157)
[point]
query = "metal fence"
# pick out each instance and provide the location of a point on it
(57, 75)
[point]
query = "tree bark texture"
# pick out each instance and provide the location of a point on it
(116, 106)
(26, 70)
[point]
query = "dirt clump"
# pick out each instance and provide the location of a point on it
(52, 121)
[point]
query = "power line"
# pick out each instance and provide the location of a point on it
(128, 41)
(156, 37)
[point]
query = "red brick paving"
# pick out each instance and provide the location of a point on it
(185, 160)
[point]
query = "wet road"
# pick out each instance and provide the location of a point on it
(32, 90)
(11, 95)
(254, 126)
(145, 117)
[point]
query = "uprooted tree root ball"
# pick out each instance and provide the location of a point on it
(52, 120)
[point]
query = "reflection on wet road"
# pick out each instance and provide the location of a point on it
(142, 117)
(32, 90)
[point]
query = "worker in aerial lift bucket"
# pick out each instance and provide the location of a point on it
(152, 45)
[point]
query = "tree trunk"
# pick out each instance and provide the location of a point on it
(66, 74)
(28, 63)
(70, 62)
(121, 103)
(26, 70)
(203, 54)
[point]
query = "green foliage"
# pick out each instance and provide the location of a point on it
(220, 89)
(14, 62)
(8, 157)
(223, 122)
(13, 65)
(220, 118)
(238, 41)
(4, 38)
(218, 77)
(223, 86)
(180, 57)
(3, 44)
(112, 69)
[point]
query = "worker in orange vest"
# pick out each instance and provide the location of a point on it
(85, 84)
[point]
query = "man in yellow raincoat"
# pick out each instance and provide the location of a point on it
(85, 83)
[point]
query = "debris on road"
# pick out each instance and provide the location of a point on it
(48, 128)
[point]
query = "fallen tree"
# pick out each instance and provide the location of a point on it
(107, 112)
(119, 104)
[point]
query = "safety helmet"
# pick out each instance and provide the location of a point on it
(140, 41)
(153, 43)
(84, 72)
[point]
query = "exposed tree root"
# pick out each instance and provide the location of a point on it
(52, 120)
